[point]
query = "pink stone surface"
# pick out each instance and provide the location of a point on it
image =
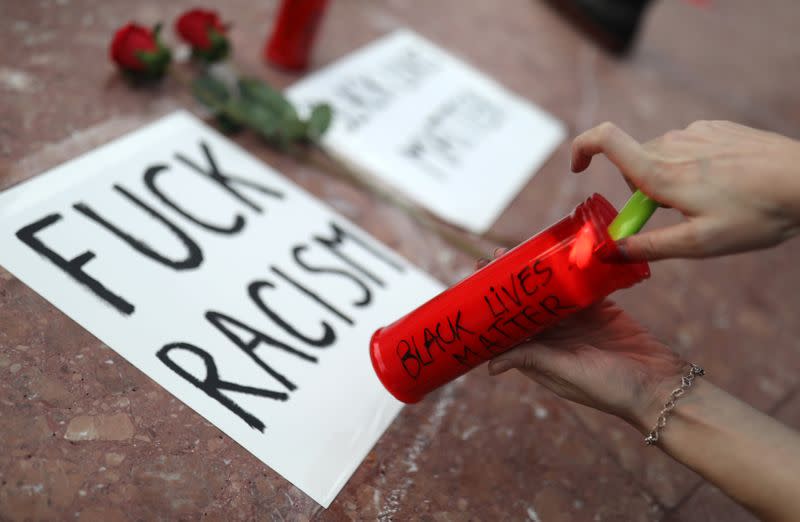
(85, 436)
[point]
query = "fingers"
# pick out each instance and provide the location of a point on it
(499, 252)
(482, 262)
(682, 240)
(537, 357)
(625, 152)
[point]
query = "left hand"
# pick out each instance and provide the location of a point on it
(602, 358)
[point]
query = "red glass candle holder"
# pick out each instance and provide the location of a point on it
(289, 46)
(513, 298)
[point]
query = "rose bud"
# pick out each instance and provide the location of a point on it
(138, 52)
(204, 31)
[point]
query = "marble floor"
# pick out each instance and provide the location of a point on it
(482, 448)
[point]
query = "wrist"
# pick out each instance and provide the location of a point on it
(654, 396)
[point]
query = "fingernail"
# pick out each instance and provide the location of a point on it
(622, 250)
(498, 367)
(499, 251)
(617, 253)
(482, 262)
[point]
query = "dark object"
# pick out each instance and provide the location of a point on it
(290, 44)
(613, 24)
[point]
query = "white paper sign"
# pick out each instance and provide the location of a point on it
(235, 290)
(431, 126)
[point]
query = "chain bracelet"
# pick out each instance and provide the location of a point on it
(686, 383)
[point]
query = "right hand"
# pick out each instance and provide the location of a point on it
(738, 187)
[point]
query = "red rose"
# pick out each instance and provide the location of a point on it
(136, 49)
(203, 30)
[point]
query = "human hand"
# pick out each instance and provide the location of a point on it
(738, 187)
(602, 358)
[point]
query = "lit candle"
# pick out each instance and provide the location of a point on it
(532, 287)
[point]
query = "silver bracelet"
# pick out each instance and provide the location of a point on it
(686, 383)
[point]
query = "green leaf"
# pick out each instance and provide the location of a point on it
(227, 124)
(261, 108)
(219, 49)
(236, 109)
(320, 120)
(155, 63)
(272, 100)
(260, 119)
(294, 129)
(210, 92)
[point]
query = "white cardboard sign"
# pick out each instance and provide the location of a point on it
(239, 293)
(433, 127)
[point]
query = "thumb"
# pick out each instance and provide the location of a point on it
(537, 357)
(682, 240)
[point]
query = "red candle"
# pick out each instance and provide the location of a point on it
(290, 44)
(545, 279)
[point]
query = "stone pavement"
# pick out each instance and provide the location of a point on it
(480, 449)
